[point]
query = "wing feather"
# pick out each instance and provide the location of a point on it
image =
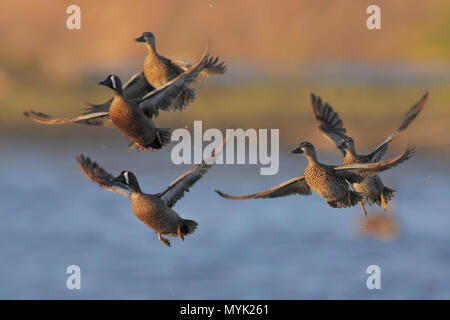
(101, 177)
(328, 121)
(296, 185)
(179, 186)
(94, 119)
(354, 173)
(137, 87)
(163, 97)
(212, 67)
(412, 113)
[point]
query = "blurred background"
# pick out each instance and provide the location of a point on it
(277, 53)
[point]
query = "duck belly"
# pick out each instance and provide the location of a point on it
(325, 183)
(132, 124)
(155, 214)
(370, 188)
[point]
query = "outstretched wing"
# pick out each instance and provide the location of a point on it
(179, 186)
(137, 87)
(328, 121)
(92, 108)
(212, 67)
(164, 96)
(376, 155)
(357, 172)
(93, 119)
(98, 114)
(101, 177)
(294, 186)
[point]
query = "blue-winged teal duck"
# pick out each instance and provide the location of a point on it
(331, 126)
(330, 182)
(137, 88)
(133, 117)
(158, 70)
(131, 121)
(154, 210)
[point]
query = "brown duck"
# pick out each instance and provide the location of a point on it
(138, 87)
(330, 182)
(158, 70)
(331, 126)
(154, 210)
(133, 117)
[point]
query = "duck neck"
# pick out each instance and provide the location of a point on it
(349, 152)
(312, 158)
(151, 48)
(135, 187)
(118, 92)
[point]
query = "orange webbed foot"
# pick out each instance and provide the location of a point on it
(180, 234)
(163, 240)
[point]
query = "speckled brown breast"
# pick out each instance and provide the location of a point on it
(158, 71)
(350, 159)
(155, 214)
(131, 122)
(323, 180)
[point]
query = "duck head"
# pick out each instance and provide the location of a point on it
(112, 81)
(128, 178)
(147, 37)
(307, 149)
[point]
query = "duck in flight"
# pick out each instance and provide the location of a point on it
(138, 87)
(154, 210)
(331, 126)
(330, 182)
(159, 70)
(133, 118)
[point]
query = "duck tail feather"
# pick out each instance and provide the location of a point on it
(189, 226)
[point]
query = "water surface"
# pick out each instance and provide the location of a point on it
(290, 248)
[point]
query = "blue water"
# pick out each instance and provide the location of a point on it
(290, 248)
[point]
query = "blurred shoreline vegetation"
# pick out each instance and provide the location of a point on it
(370, 113)
(370, 78)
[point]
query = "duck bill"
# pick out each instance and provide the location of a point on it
(102, 83)
(298, 150)
(140, 39)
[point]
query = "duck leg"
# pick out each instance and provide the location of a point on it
(383, 202)
(180, 234)
(140, 147)
(163, 240)
(363, 209)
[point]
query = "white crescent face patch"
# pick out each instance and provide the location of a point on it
(113, 82)
(127, 180)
